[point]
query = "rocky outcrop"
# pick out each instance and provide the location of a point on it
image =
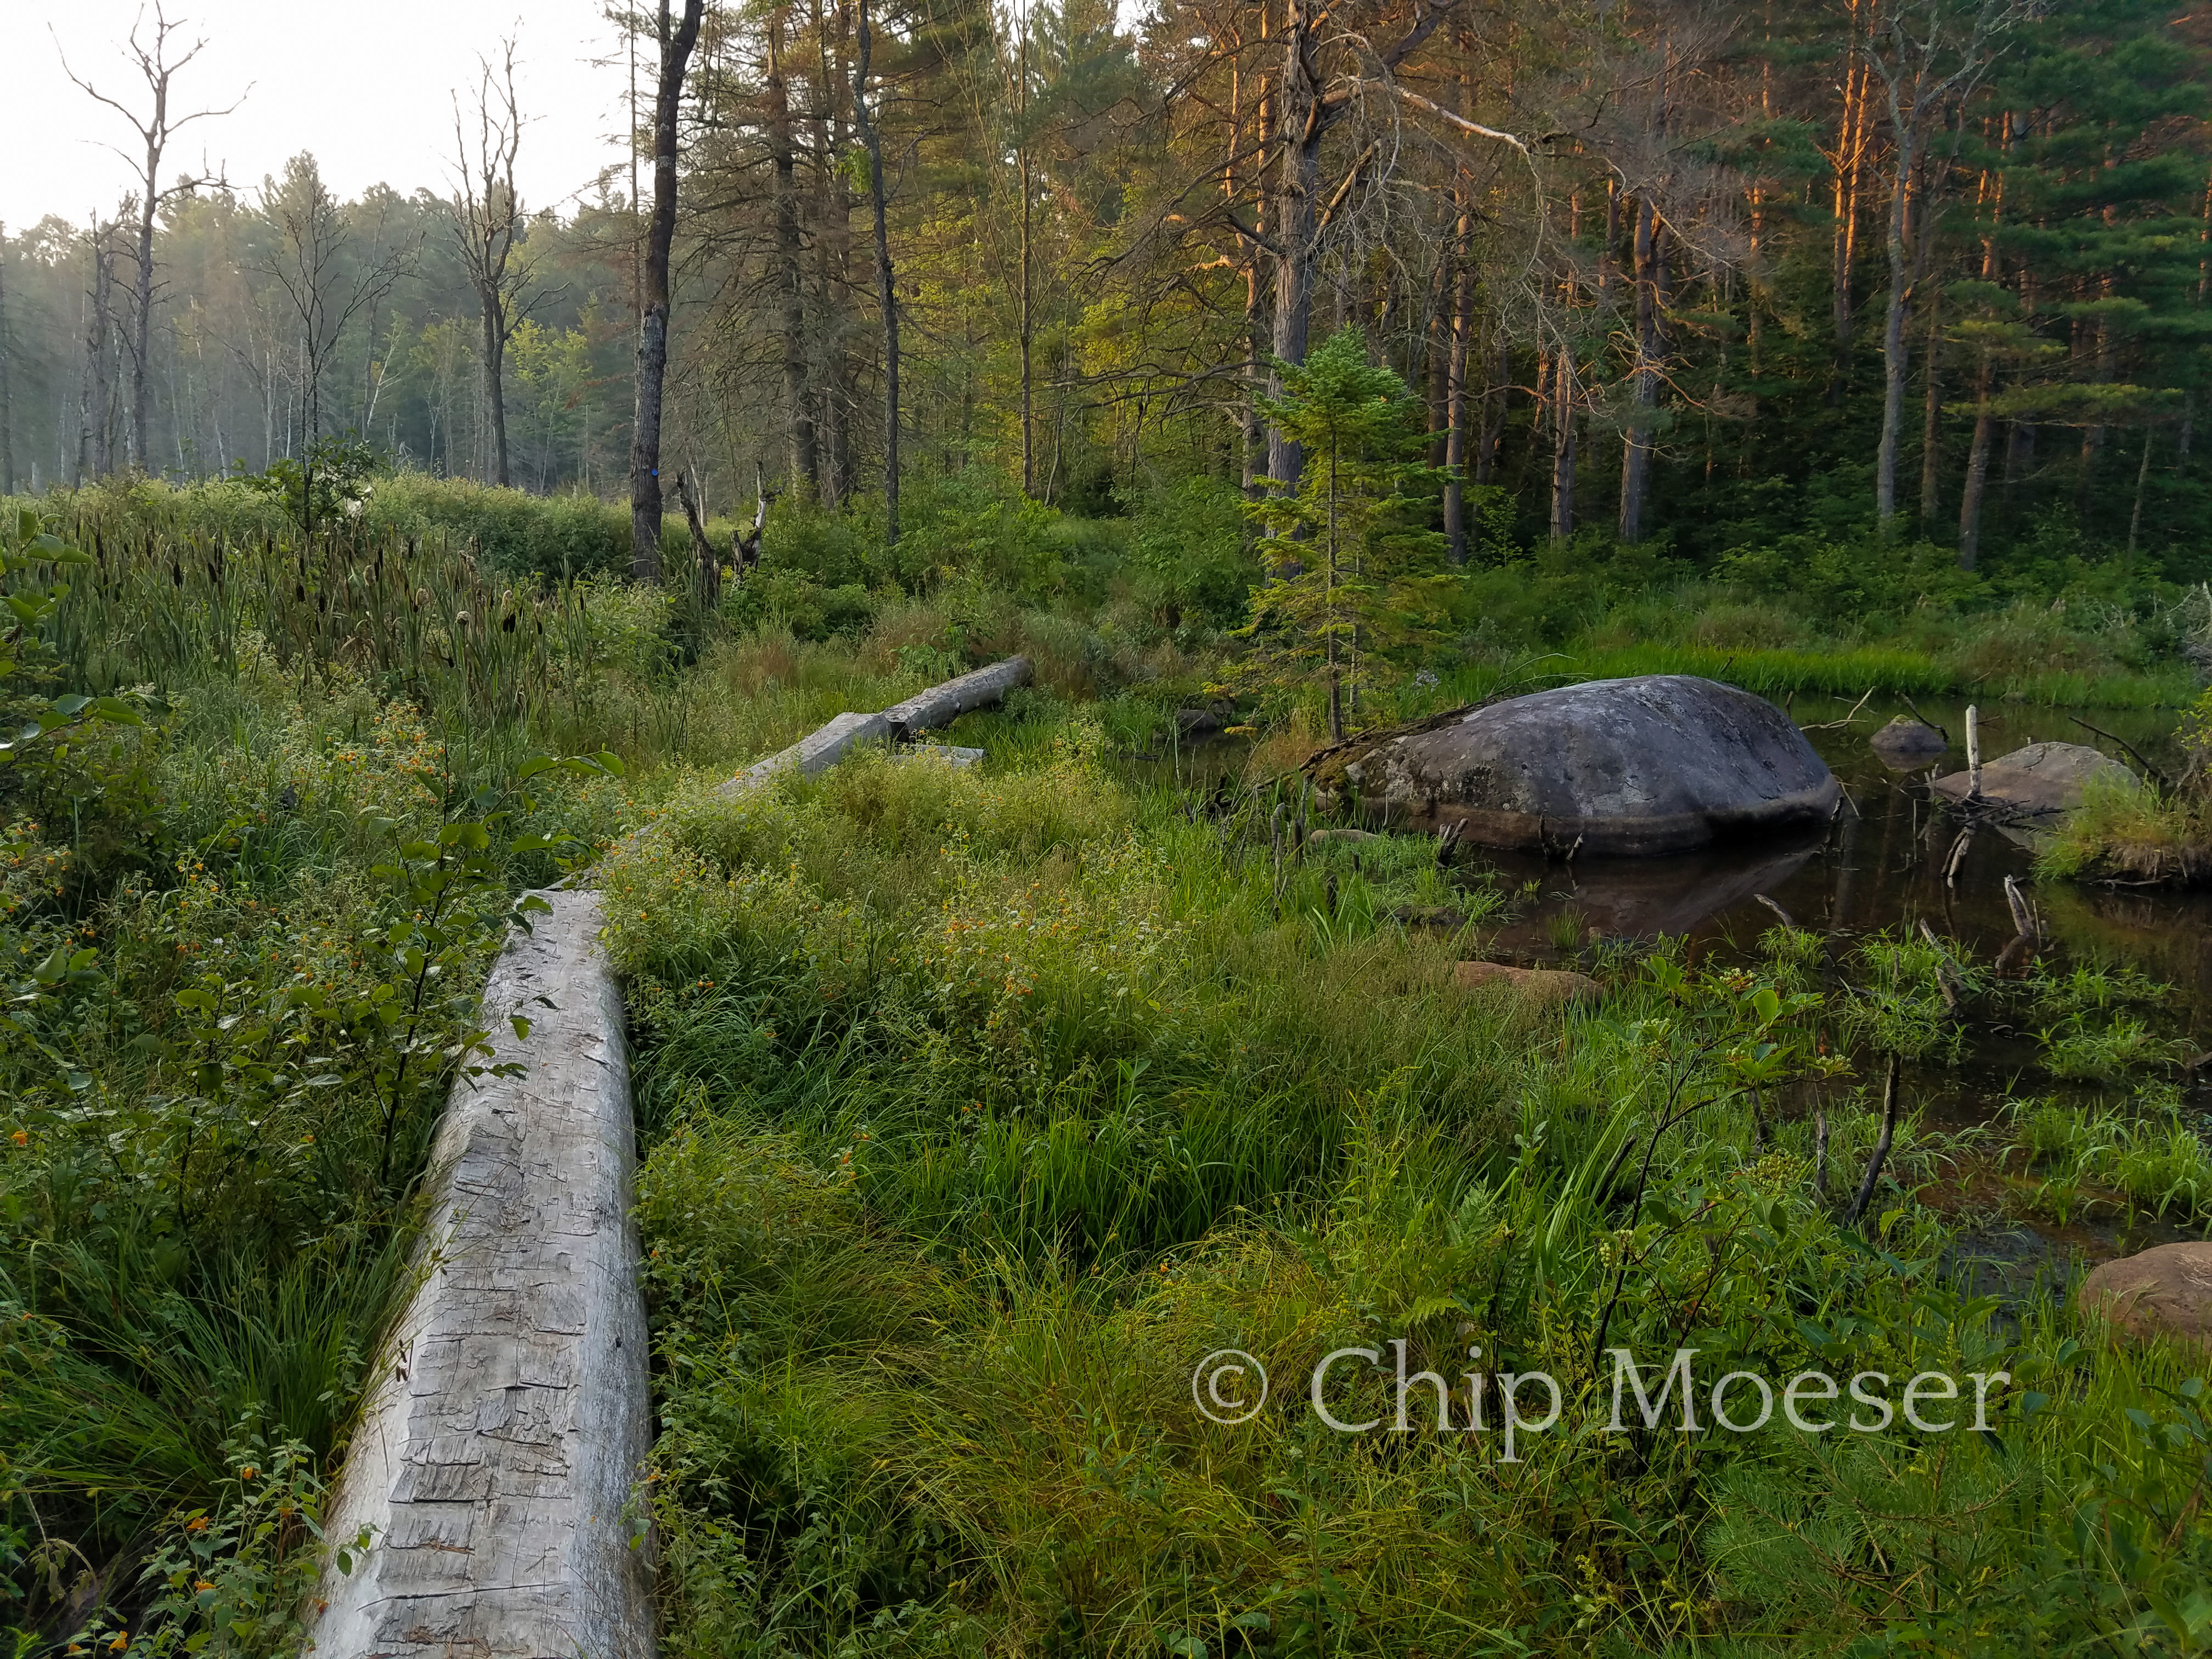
(2167, 1292)
(1636, 767)
(2043, 777)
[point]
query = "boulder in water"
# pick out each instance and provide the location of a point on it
(1906, 742)
(2044, 777)
(1660, 763)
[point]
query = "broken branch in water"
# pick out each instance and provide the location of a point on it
(2165, 783)
(1880, 1148)
(1942, 732)
(1830, 725)
(2025, 921)
(1777, 909)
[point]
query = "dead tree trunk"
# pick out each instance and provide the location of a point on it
(805, 460)
(1562, 445)
(1978, 468)
(871, 139)
(1462, 326)
(1636, 451)
(645, 493)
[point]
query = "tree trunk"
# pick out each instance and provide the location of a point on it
(1850, 140)
(644, 494)
(2142, 477)
(1978, 470)
(1635, 452)
(886, 290)
(1895, 355)
(833, 260)
(91, 441)
(7, 385)
(1462, 325)
(1437, 360)
(1931, 419)
(1563, 445)
(804, 459)
(1495, 393)
(494, 369)
(1300, 128)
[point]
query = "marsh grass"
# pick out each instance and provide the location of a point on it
(978, 1110)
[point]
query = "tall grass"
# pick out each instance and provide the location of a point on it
(981, 1108)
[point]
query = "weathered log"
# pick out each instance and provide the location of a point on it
(510, 1417)
(820, 749)
(500, 1445)
(941, 704)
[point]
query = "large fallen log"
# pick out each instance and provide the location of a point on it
(821, 748)
(499, 1445)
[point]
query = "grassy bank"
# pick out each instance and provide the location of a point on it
(980, 1109)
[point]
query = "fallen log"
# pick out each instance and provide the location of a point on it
(501, 1440)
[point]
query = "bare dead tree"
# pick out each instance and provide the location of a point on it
(155, 131)
(645, 493)
(872, 140)
(489, 223)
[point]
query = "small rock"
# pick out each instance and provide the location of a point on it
(1543, 984)
(2043, 777)
(1905, 741)
(1322, 837)
(2167, 1292)
(1197, 722)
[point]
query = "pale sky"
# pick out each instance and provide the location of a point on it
(368, 87)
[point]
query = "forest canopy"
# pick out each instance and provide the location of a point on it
(1706, 276)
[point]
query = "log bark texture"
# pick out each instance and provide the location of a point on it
(498, 1451)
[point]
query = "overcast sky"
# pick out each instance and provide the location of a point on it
(368, 87)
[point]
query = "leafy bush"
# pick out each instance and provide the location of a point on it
(1192, 553)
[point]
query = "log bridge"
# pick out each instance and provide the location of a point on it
(500, 1441)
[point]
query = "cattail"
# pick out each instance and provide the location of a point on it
(422, 597)
(461, 620)
(300, 592)
(176, 573)
(506, 625)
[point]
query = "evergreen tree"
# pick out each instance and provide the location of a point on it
(1355, 579)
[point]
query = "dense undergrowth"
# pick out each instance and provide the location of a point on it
(979, 1107)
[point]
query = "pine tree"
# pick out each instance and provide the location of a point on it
(1355, 578)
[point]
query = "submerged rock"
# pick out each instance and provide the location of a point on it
(1541, 984)
(1906, 742)
(1660, 763)
(2044, 777)
(2167, 1292)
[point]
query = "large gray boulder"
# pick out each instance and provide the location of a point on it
(1634, 767)
(2042, 777)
